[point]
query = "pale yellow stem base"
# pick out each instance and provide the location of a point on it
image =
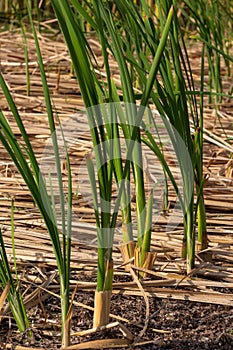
(102, 308)
(127, 253)
(131, 250)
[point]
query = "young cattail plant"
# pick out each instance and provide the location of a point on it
(11, 285)
(25, 160)
(106, 134)
(172, 98)
(213, 30)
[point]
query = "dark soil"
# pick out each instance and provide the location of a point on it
(173, 324)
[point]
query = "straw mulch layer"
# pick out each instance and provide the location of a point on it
(192, 312)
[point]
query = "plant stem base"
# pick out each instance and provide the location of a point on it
(102, 308)
(130, 250)
(127, 252)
